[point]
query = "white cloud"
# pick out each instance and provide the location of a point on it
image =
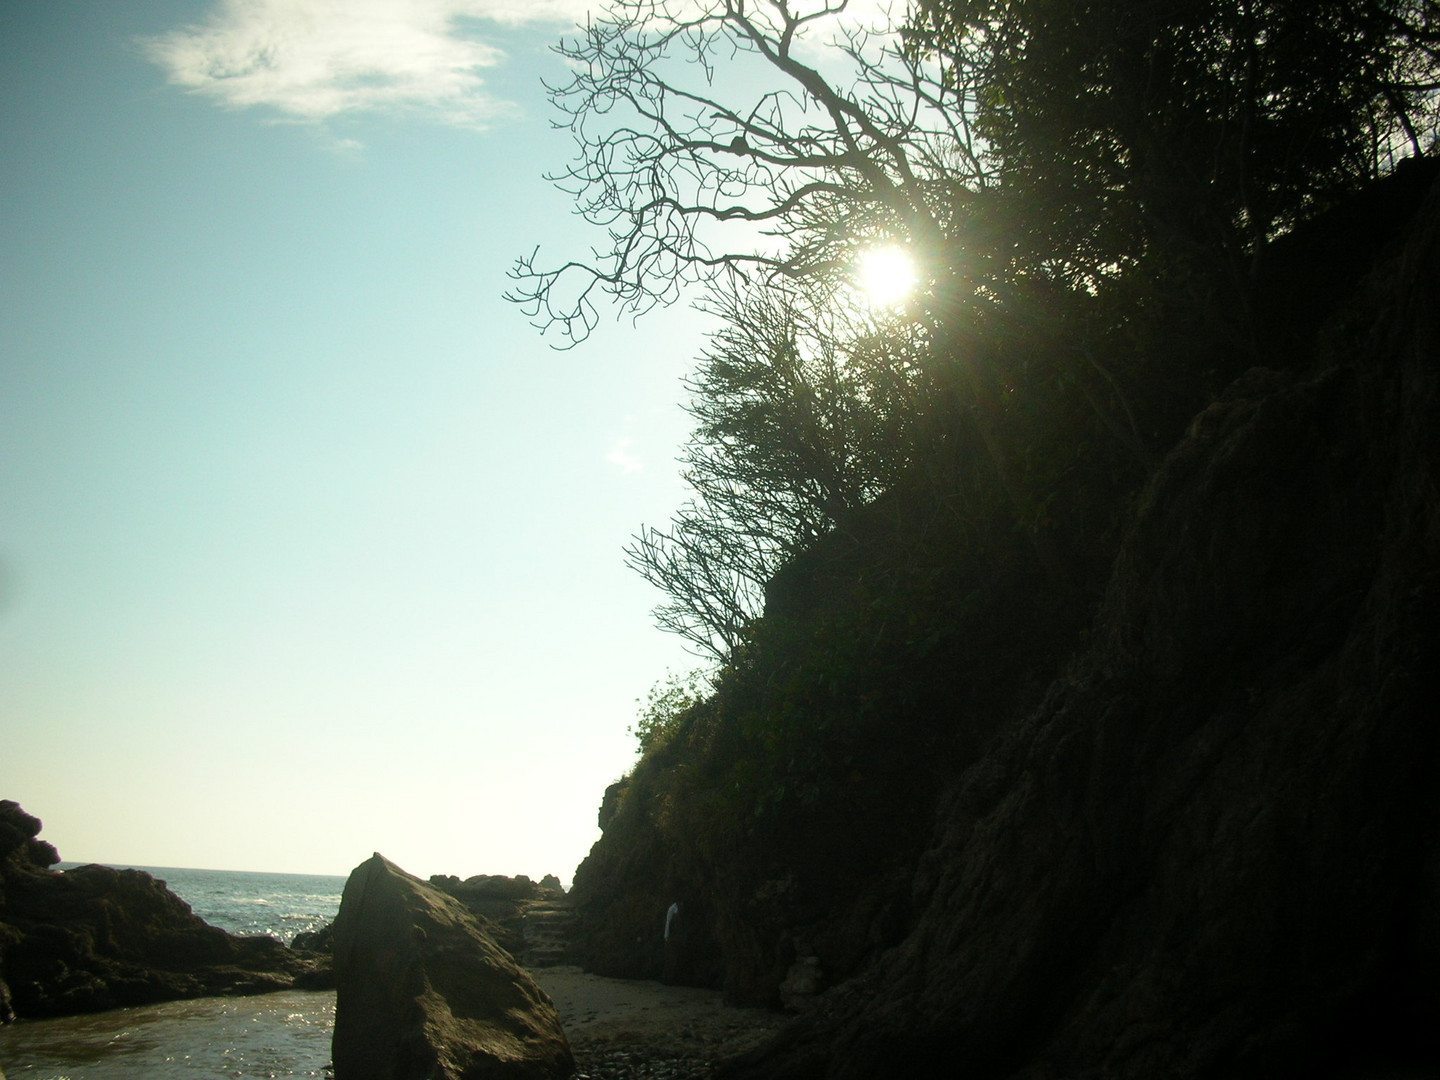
(315, 59)
(621, 457)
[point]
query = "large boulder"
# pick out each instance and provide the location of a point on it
(96, 938)
(424, 991)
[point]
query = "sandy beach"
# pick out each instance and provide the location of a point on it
(656, 1029)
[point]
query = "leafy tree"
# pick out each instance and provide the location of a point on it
(1184, 131)
(805, 411)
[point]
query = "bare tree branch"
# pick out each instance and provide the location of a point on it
(763, 167)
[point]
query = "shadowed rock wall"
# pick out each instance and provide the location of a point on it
(1212, 850)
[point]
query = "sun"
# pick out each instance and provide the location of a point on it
(886, 275)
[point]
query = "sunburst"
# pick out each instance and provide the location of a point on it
(886, 275)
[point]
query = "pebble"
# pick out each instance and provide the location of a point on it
(639, 1065)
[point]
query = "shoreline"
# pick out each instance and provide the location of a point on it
(618, 1029)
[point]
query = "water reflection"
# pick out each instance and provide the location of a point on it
(274, 1035)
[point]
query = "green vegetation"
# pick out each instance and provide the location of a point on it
(665, 707)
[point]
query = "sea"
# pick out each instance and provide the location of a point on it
(271, 1035)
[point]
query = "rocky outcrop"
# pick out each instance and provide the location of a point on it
(510, 907)
(94, 938)
(1212, 849)
(424, 990)
(498, 887)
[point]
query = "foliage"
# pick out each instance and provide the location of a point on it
(1124, 129)
(665, 706)
(804, 413)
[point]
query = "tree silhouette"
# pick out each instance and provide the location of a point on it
(1191, 132)
(709, 143)
(805, 412)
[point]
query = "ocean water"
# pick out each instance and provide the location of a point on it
(280, 905)
(271, 1035)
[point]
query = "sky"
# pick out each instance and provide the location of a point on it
(310, 545)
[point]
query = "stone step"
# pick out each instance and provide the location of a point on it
(546, 929)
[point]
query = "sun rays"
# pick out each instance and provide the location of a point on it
(886, 276)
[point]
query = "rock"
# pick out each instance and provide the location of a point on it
(494, 887)
(499, 887)
(17, 828)
(95, 938)
(802, 982)
(500, 903)
(610, 803)
(507, 908)
(320, 941)
(424, 991)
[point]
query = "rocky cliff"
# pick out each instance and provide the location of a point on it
(1207, 846)
(94, 938)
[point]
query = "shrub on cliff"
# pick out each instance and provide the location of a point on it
(665, 706)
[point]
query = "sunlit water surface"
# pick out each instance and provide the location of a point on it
(280, 905)
(273, 1035)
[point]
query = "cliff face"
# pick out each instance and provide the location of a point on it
(1212, 849)
(785, 815)
(1208, 846)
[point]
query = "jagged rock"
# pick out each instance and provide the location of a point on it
(505, 906)
(500, 903)
(498, 887)
(610, 803)
(423, 990)
(94, 938)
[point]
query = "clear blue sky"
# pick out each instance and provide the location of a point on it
(310, 546)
